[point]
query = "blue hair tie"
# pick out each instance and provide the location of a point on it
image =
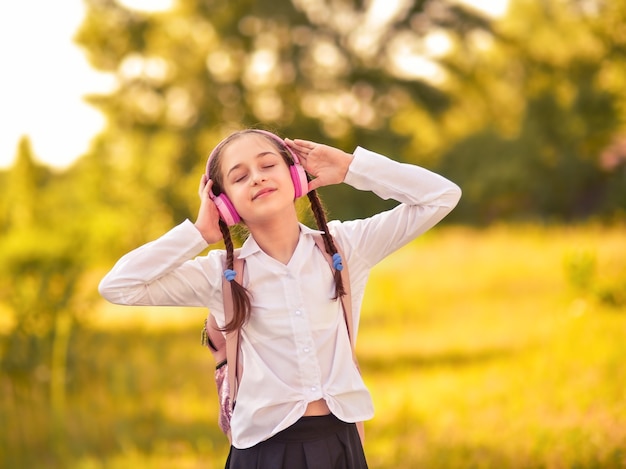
(230, 274)
(337, 264)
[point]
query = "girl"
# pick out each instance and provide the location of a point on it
(300, 393)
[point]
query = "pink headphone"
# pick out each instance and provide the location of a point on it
(226, 208)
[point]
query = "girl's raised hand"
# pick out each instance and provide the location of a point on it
(328, 165)
(208, 216)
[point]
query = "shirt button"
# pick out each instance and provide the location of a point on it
(306, 349)
(298, 312)
(313, 389)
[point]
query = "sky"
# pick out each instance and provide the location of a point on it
(45, 76)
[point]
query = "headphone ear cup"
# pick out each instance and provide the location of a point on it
(300, 182)
(226, 209)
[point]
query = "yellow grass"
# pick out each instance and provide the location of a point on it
(482, 348)
(480, 353)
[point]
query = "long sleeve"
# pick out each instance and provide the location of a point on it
(406, 183)
(163, 273)
(425, 198)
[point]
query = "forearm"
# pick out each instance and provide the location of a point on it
(408, 184)
(425, 199)
(159, 272)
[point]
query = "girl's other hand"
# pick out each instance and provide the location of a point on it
(328, 165)
(208, 216)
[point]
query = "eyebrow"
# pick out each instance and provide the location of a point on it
(260, 155)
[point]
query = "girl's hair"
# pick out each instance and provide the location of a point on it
(241, 300)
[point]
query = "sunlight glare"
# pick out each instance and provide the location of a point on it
(44, 76)
(148, 5)
(494, 8)
(437, 43)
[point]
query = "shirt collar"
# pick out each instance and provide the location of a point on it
(251, 247)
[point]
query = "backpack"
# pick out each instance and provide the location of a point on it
(225, 346)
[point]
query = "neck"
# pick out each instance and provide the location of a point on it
(278, 238)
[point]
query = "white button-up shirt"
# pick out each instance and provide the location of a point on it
(295, 347)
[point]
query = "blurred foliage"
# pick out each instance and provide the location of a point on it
(45, 284)
(526, 113)
(323, 70)
(547, 141)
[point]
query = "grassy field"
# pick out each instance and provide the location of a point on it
(497, 348)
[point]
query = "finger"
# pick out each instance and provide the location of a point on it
(209, 187)
(293, 147)
(203, 181)
(314, 184)
(305, 143)
(301, 146)
(299, 152)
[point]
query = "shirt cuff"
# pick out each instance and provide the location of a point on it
(191, 234)
(364, 163)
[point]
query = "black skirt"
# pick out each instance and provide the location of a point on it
(323, 442)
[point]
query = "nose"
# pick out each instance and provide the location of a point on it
(257, 177)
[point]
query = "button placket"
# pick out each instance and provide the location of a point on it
(308, 365)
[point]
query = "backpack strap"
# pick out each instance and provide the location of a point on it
(346, 303)
(346, 300)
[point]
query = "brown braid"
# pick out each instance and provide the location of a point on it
(320, 217)
(241, 299)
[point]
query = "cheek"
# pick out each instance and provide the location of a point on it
(239, 196)
(288, 184)
(235, 194)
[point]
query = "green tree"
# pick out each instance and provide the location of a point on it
(547, 103)
(185, 77)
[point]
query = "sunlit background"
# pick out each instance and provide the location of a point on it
(493, 341)
(45, 76)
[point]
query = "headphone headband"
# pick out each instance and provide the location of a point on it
(266, 133)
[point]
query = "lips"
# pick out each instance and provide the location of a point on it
(262, 193)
